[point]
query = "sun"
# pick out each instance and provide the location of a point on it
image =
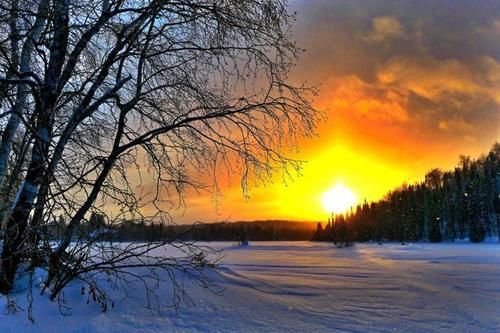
(338, 199)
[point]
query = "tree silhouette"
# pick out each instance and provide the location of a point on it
(95, 90)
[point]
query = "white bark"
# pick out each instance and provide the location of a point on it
(18, 110)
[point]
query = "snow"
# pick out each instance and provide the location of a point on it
(306, 287)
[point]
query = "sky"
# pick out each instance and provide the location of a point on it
(406, 86)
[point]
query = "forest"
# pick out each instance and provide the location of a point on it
(141, 230)
(446, 206)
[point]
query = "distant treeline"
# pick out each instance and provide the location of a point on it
(140, 230)
(458, 204)
(272, 230)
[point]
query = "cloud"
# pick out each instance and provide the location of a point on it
(490, 69)
(446, 80)
(440, 100)
(456, 124)
(352, 95)
(385, 28)
(406, 87)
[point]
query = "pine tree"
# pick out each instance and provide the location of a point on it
(448, 205)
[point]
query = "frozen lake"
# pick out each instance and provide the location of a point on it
(313, 287)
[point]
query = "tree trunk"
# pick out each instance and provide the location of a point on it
(14, 248)
(22, 90)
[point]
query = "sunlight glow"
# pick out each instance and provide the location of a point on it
(338, 199)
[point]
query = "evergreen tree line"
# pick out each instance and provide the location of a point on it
(250, 231)
(139, 230)
(446, 206)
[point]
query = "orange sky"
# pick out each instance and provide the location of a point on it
(406, 86)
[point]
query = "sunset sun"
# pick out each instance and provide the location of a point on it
(338, 199)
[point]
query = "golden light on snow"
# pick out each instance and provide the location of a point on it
(338, 199)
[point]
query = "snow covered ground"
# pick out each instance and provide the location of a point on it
(309, 287)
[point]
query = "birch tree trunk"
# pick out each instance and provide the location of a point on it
(15, 233)
(22, 89)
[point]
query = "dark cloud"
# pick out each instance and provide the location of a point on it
(440, 58)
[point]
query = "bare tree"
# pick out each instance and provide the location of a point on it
(97, 89)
